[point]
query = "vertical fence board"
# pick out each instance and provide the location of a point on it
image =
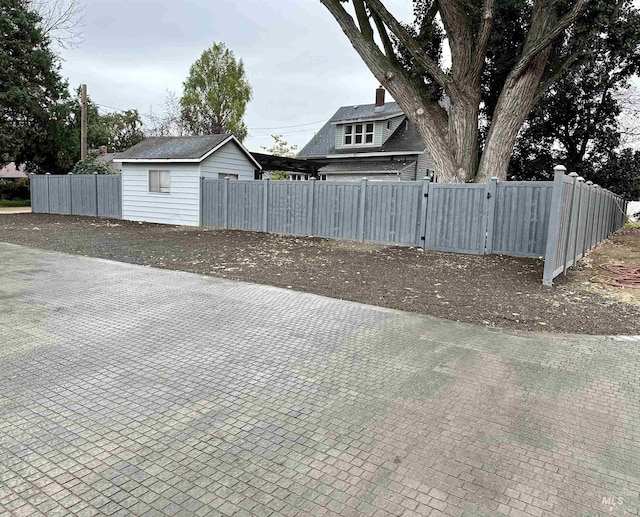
(109, 195)
(83, 195)
(39, 193)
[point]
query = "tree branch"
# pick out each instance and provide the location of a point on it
(430, 66)
(564, 22)
(363, 19)
(380, 65)
(562, 69)
(384, 37)
(458, 28)
(482, 42)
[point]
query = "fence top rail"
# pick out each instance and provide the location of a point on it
(459, 185)
(503, 184)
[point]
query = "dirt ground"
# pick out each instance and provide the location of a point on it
(496, 291)
(622, 248)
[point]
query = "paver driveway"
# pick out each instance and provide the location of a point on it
(126, 390)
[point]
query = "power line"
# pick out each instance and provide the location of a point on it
(250, 129)
(287, 127)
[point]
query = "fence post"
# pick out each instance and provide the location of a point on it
(31, 175)
(265, 205)
(95, 184)
(70, 176)
(492, 189)
(48, 175)
(553, 235)
(201, 203)
(423, 212)
(361, 214)
(588, 226)
(574, 177)
(225, 214)
(580, 183)
(598, 215)
(312, 193)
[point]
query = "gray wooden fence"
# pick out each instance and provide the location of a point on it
(94, 195)
(583, 214)
(559, 220)
(386, 212)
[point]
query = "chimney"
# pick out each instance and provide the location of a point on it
(380, 97)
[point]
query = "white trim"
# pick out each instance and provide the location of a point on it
(159, 160)
(372, 118)
(369, 155)
(192, 160)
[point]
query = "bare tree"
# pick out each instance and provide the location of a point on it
(168, 120)
(629, 100)
(62, 20)
(386, 45)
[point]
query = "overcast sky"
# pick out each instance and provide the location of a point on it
(300, 64)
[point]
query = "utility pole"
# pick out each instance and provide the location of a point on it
(83, 122)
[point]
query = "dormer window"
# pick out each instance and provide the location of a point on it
(358, 134)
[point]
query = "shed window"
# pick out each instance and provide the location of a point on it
(159, 182)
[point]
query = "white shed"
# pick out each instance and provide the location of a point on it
(161, 175)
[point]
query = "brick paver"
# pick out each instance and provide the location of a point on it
(126, 390)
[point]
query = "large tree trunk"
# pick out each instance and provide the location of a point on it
(463, 135)
(514, 105)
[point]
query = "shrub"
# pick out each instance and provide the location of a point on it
(14, 189)
(91, 166)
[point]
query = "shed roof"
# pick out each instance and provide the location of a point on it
(179, 149)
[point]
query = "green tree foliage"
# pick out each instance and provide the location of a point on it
(280, 147)
(216, 94)
(91, 166)
(34, 102)
(118, 131)
(14, 189)
(577, 121)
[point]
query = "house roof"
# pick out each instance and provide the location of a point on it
(386, 166)
(282, 163)
(179, 149)
(366, 112)
(11, 171)
(405, 139)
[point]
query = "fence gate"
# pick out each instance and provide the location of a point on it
(456, 218)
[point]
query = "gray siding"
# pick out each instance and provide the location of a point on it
(425, 164)
(357, 176)
(378, 138)
(394, 123)
(229, 159)
(180, 206)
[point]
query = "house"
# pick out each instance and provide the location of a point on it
(11, 171)
(161, 175)
(103, 156)
(374, 141)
